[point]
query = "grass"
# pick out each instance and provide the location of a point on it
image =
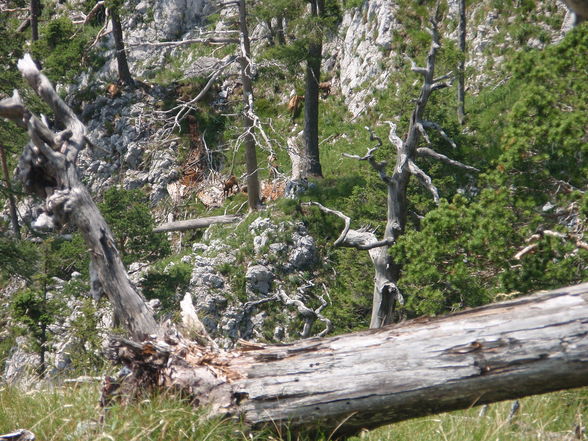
(72, 413)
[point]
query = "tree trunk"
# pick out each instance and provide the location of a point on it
(35, 12)
(11, 201)
(124, 74)
(461, 66)
(343, 384)
(192, 224)
(253, 191)
(311, 98)
(47, 169)
(280, 30)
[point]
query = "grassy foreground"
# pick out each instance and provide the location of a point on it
(71, 413)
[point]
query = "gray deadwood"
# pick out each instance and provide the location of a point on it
(346, 383)
(47, 169)
(386, 295)
(192, 224)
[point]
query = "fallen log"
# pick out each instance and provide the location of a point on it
(192, 224)
(346, 383)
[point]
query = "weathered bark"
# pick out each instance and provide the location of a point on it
(193, 224)
(124, 73)
(461, 65)
(253, 191)
(343, 384)
(47, 169)
(311, 98)
(11, 201)
(24, 25)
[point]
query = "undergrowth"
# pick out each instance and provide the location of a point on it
(72, 413)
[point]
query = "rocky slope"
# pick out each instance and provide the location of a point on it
(260, 281)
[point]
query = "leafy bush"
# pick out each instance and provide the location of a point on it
(167, 280)
(17, 258)
(62, 50)
(129, 217)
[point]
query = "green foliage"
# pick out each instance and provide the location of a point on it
(167, 281)
(17, 258)
(462, 253)
(129, 217)
(30, 308)
(35, 309)
(62, 50)
(454, 260)
(66, 255)
(86, 350)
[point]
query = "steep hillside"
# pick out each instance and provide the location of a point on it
(516, 226)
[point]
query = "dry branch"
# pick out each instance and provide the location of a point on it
(192, 224)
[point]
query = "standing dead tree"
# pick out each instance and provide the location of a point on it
(386, 295)
(47, 169)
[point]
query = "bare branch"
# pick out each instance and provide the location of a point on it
(379, 167)
(186, 42)
(443, 77)
(393, 137)
(361, 240)
(309, 316)
(103, 30)
(366, 157)
(575, 238)
(439, 129)
(525, 251)
(414, 67)
(7, 10)
(373, 136)
(184, 108)
(41, 85)
(341, 239)
(13, 108)
(192, 224)
(425, 151)
(442, 85)
(423, 133)
(424, 179)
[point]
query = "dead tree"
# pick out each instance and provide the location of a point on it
(47, 169)
(386, 295)
(253, 190)
(124, 73)
(461, 63)
(11, 201)
(339, 385)
(343, 384)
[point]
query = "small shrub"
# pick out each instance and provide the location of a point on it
(128, 215)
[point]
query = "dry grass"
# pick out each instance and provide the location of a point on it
(72, 413)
